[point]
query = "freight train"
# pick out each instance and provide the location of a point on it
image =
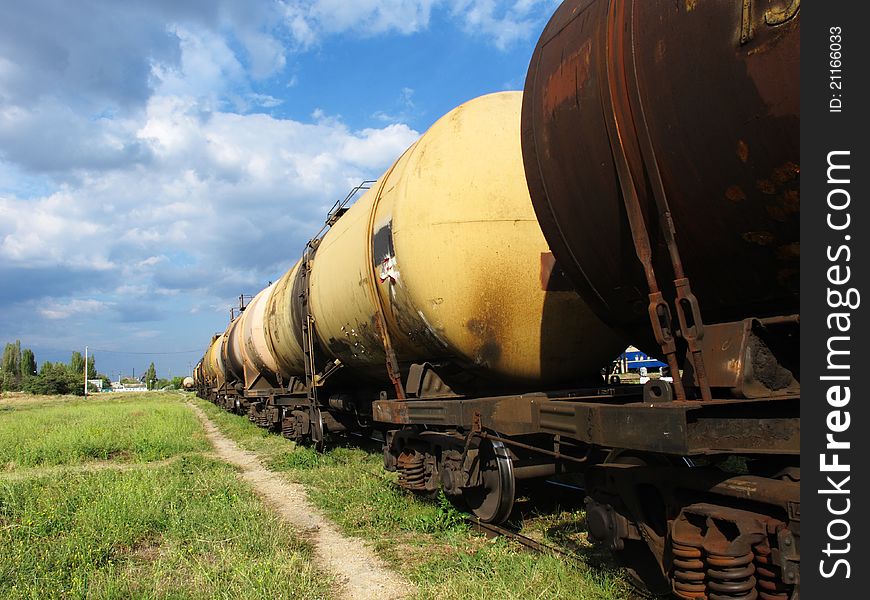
(643, 189)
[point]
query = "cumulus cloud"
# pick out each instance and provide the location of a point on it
(63, 310)
(503, 22)
(224, 190)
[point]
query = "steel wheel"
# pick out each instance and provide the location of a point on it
(316, 429)
(493, 501)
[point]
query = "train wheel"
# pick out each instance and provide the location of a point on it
(317, 429)
(493, 500)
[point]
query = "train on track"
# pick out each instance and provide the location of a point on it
(642, 189)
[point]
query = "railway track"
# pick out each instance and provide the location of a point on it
(530, 545)
(493, 531)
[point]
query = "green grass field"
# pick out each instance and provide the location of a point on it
(117, 499)
(127, 429)
(427, 540)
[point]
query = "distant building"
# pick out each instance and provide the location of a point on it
(117, 386)
(97, 383)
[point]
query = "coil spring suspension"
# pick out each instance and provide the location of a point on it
(263, 418)
(412, 471)
(769, 575)
(292, 426)
(731, 577)
(688, 572)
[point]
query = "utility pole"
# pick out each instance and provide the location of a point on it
(86, 371)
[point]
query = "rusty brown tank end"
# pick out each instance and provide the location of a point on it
(701, 119)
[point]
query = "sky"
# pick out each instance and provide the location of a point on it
(160, 157)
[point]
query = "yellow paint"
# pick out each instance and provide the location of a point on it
(212, 362)
(279, 329)
(257, 354)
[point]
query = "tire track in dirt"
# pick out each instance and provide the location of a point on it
(360, 573)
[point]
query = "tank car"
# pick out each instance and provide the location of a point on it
(661, 146)
(642, 190)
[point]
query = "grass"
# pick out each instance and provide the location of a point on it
(183, 528)
(427, 540)
(58, 431)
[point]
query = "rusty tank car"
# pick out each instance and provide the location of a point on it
(661, 145)
(643, 190)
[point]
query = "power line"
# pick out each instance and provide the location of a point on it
(146, 353)
(94, 350)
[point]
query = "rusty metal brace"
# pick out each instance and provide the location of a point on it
(308, 340)
(619, 127)
(686, 302)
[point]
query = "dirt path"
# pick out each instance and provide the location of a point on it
(361, 574)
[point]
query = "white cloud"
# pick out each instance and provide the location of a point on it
(503, 22)
(63, 310)
(208, 70)
(219, 190)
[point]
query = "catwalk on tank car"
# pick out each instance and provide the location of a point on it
(642, 190)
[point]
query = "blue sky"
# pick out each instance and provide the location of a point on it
(160, 157)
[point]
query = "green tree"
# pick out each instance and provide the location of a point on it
(10, 367)
(77, 363)
(150, 376)
(177, 382)
(55, 378)
(92, 367)
(28, 363)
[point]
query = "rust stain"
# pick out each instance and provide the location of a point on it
(742, 151)
(690, 5)
(792, 200)
(565, 84)
(735, 194)
(766, 186)
(785, 173)
(789, 251)
(660, 51)
(788, 204)
(760, 238)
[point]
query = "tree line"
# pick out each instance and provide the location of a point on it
(18, 373)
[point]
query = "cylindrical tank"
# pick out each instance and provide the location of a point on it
(212, 363)
(282, 325)
(187, 383)
(231, 351)
(717, 84)
(445, 254)
(259, 359)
